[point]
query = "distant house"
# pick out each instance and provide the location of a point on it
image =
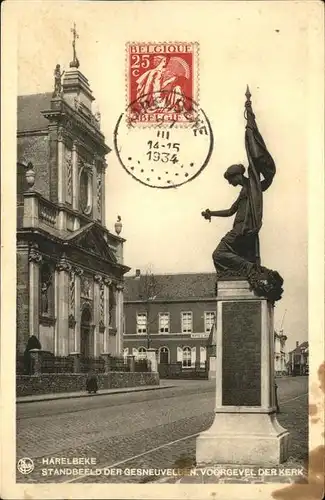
(280, 353)
(298, 362)
(172, 313)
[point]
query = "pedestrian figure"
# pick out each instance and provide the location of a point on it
(276, 397)
(92, 383)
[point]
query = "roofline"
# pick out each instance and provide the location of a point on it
(175, 300)
(31, 131)
(174, 274)
(37, 93)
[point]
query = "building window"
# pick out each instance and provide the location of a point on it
(187, 322)
(164, 355)
(85, 192)
(142, 323)
(142, 353)
(209, 317)
(163, 322)
(187, 358)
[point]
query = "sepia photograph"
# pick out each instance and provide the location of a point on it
(162, 249)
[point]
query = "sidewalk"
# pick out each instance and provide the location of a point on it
(164, 384)
(84, 394)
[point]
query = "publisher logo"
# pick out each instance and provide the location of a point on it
(25, 465)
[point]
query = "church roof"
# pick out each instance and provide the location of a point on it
(181, 286)
(29, 116)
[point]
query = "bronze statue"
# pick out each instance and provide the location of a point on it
(57, 81)
(237, 254)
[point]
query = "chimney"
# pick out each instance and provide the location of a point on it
(297, 343)
(137, 273)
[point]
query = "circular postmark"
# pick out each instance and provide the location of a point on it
(25, 465)
(160, 147)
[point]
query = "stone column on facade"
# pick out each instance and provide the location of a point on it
(63, 269)
(75, 190)
(23, 306)
(35, 260)
(119, 318)
(245, 428)
(61, 183)
(78, 273)
(94, 190)
(107, 282)
(97, 283)
(103, 194)
(61, 180)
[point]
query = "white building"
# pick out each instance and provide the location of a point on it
(280, 353)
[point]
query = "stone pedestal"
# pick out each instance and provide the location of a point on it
(245, 429)
(152, 357)
(36, 361)
(131, 363)
(212, 367)
(76, 361)
(108, 361)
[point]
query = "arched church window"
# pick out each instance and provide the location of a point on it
(85, 191)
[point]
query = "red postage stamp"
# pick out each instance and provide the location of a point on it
(162, 82)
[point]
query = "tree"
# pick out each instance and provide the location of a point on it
(148, 290)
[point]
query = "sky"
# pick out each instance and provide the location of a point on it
(260, 44)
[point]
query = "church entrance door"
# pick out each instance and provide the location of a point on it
(86, 334)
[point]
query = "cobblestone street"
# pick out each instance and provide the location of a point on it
(154, 429)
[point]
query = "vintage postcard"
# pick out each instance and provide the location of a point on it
(162, 250)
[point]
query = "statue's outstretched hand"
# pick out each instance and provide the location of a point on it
(206, 214)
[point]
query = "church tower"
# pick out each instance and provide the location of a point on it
(70, 266)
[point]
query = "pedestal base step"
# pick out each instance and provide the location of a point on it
(243, 438)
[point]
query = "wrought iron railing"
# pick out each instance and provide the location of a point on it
(56, 364)
(118, 364)
(91, 364)
(142, 365)
(176, 370)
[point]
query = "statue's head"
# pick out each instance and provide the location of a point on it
(234, 174)
(160, 61)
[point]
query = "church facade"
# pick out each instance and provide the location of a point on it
(69, 265)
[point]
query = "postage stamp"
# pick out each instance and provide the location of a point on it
(161, 82)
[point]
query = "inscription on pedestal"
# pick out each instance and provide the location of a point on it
(241, 353)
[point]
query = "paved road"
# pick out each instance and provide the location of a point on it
(145, 429)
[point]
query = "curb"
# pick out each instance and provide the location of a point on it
(23, 399)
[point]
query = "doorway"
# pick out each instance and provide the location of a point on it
(164, 355)
(86, 334)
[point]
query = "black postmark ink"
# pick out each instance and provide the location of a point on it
(164, 154)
